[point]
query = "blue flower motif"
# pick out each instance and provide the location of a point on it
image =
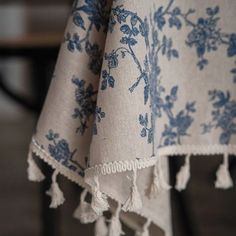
(223, 115)
(95, 57)
(107, 80)
(73, 42)
(51, 135)
(112, 59)
(206, 37)
(85, 97)
(59, 149)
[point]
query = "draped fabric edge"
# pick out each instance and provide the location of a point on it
(133, 204)
(33, 170)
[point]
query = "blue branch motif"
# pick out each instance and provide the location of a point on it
(150, 30)
(97, 14)
(132, 26)
(179, 123)
(223, 115)
(99, 115)
(59, 149)
(85, 97)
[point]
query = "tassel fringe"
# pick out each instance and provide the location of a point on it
(183, 176)
(115, 228)
(84, 212)
(57, 197)
(163, 183)
(134, 201)
(99, 200)
(159, 183)
(223, 178)
(34, 173)
(155, 186)
(101, 227)
(145, 231)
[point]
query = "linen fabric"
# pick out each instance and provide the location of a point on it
(136, 81)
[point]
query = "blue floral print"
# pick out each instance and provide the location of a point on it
(97, 13)
(132, 27)
(60, 150)
(223, 115)
(99, 115)
(179, 123)
(206, 36)
(85, 97)
(145, 132)
(131, 30)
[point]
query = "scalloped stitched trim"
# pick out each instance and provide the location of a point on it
(128, 165)
(120, 166)
(42, 154)
(197, 150)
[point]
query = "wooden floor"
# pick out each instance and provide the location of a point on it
(210, 212)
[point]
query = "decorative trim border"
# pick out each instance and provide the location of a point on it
(120, 166)
(129, 165)
(43, 155)
(197, 150)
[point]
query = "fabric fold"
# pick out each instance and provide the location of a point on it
(136, 82)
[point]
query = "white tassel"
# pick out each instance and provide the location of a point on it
(163, 184)
(223, 178)
(159, 183)
(99, 200)
(155, 185)
(34, 173)
(115, 228)
(134, 201)
(183, 176)
(101, 227)
(84, 212)
(57, 197)
(145, 231)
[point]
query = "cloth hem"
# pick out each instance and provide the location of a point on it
(130, 165)
(43, 155)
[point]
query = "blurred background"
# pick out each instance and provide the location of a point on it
(30, 36)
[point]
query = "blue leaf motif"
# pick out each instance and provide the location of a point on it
(232, 46)
(173, 92)
(134, 20)
(125, 29)
(104, 84)
(175, 53)
(78, 20)
(159, 18)
(111, 81)
(143, 132)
